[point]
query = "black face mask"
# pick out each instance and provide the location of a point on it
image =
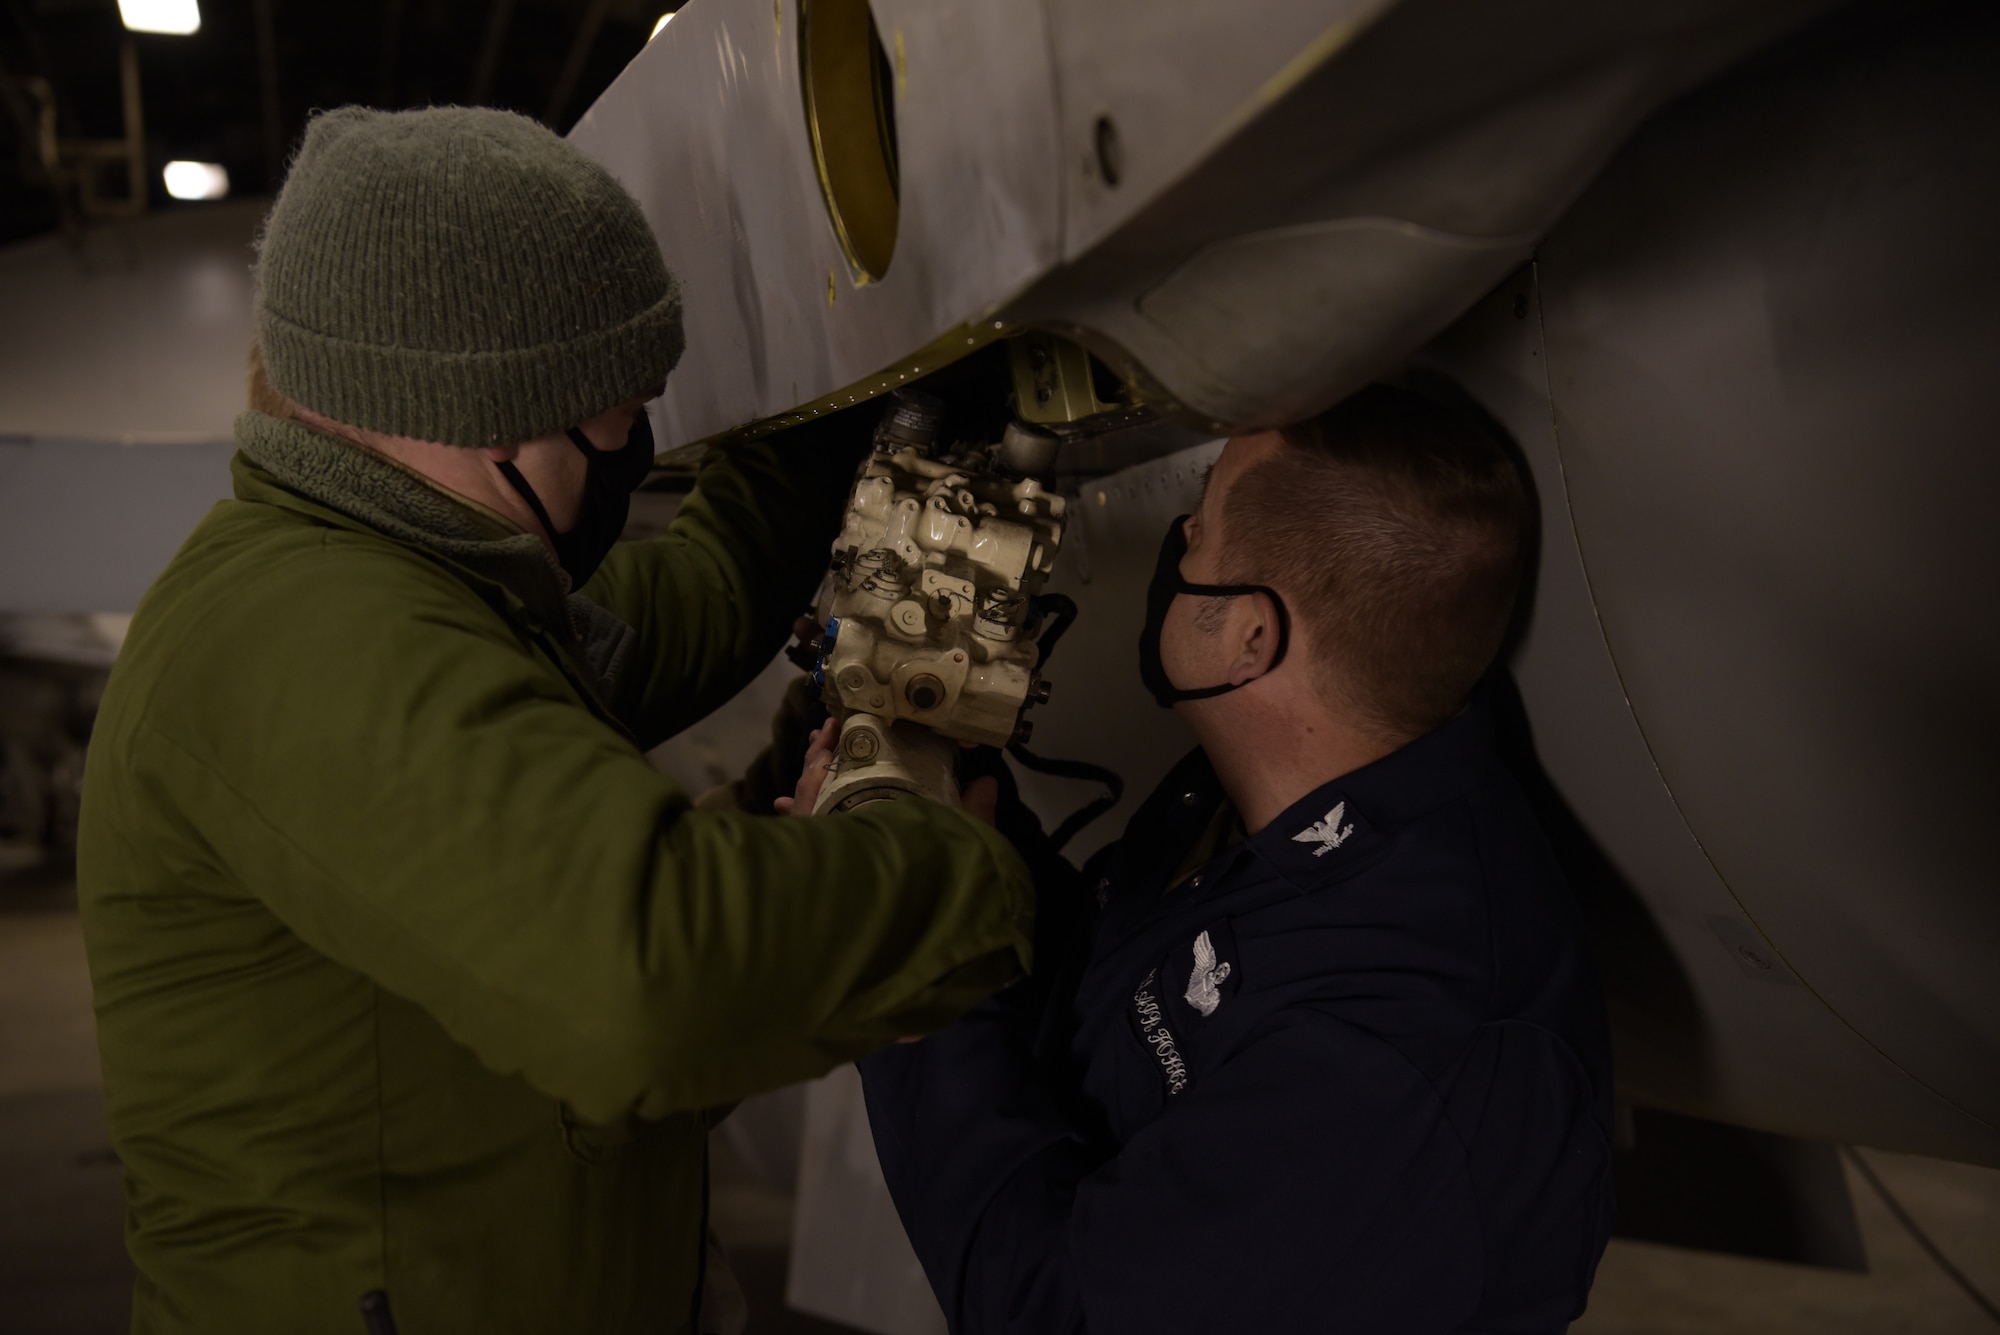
(610, 478)
(1160, 594)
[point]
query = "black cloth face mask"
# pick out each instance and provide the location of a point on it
(1160, 594)
(610, 477)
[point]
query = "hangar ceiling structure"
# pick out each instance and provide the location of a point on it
(123, 340)
(237, 91)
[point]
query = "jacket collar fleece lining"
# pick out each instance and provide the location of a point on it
(406, 507)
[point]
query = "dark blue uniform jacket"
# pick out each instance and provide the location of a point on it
(1349, 1076)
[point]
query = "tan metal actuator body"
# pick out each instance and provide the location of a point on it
(929, 609)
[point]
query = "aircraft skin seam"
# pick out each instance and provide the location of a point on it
(1063, 146)
(1555, 434)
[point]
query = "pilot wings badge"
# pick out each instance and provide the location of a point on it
(1329, 833)
(1204, 983)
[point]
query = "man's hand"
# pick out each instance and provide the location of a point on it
(978, 801)
(819, 759)
(981, 798)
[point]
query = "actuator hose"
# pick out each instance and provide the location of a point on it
(1114, 787)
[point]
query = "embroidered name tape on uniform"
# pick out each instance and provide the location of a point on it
(1328, 833)
(1151, 1023)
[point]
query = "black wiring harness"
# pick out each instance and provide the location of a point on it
(1062, 608)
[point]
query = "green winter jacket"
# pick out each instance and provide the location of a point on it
(411, 974)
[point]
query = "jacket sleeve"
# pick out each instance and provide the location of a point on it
(429, 805)
(714, 598)
(1310, 1183)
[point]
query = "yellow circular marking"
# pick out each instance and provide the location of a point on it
(850, 109)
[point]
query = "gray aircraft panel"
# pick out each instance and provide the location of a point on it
(1776, 398)
(1752, 376)
(1368, 207)
(776, 314)
(1307, 189)
(1698, 1027)
(1173, 83)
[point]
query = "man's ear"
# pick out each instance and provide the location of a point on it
(1254, 633)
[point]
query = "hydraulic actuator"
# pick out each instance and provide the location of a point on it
(934, 620)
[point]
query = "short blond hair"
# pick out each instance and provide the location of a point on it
(1396, 524)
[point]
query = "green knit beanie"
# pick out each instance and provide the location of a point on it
(459, 274)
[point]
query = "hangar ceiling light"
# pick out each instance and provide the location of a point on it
(660, 27)
(179, 17)
(196, 180)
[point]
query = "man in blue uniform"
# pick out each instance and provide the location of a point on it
(1318, 1049)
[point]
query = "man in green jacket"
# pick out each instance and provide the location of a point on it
(413, 978)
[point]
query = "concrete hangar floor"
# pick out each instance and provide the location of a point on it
(63, 1269)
